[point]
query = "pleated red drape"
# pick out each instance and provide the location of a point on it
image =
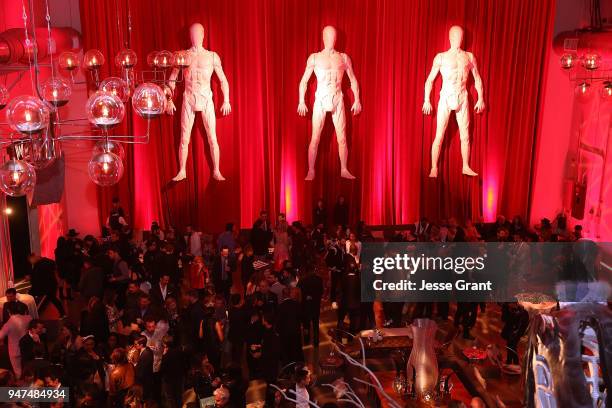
(264, 46)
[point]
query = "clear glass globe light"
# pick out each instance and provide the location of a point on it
(4, 96)
(109, 146)
(164, 59)
(568, 60)
(104, 109)
(149, 100)
(105, 169)
(27, 114)
(17, 178)
(93, 60)
(182, 59)
(116, 86)
(152, 58)
(56, 91)
(591, 61)
(583, 91)
(126, 58)
(68, 60)
(606, 91)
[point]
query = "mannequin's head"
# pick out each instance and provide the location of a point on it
(455, 36)
(329, 37)
(196, 33)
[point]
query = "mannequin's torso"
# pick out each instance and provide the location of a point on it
(329, 69)
(455, 66)
(198, 74)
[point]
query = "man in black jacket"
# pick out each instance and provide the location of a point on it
(31, 344)
(223, 268)
(350, 296)
(44, 282)
(143, 371)
(162, 290)
(261, 235)
(172, 370)
(311, 286)
(289, 328)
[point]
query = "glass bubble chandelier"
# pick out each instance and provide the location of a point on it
(34, 130)
(590, 73)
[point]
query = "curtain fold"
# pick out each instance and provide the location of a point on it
(264, 45)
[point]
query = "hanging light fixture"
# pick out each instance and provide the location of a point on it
(104, 110)
(583, 90)
(164, 59)
(109, 146)
(105, 169)
(149, 100)
(117, 87)
(606, 91)
(27, 114)
(93, 60)
(568, 60)
(126, 59)
(56, 91)
(591, 61)
(152, 59)
(68, 60)
(182, 59)
(17, 178)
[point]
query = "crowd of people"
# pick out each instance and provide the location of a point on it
(172, 320)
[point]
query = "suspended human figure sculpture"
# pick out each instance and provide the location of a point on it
(329, 67)
(454, 65)
(198, 98)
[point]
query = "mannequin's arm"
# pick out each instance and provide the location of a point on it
(480, 105)
(302, 109)
(429, 84)
(170, 108)
(172, 79)
(226, 108)
(356, 109)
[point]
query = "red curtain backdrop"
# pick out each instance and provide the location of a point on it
(392, 43)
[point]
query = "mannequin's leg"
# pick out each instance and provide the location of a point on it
(441, 123)
(318, 120)
(339, 119)
(463, 122)
(210, 125)
(187, 117)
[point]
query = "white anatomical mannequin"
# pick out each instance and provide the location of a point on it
(329, 67)
(198, 98)
(454, 65)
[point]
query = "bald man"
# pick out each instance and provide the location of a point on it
(198, 98)
(329, 67)
(454, 66)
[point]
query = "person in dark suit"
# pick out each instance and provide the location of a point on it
(341, 212)
(319, 214)
(289, 328)
(31, 345)
(12, 305)
(92, 280)
(223, 268)
(172, 370)
(164, 289)
(261, 234)
(350, 288)
(44, 282)
(270, 345)
(143, 310)
(311, 286)
(143, 371)
(94, 320)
